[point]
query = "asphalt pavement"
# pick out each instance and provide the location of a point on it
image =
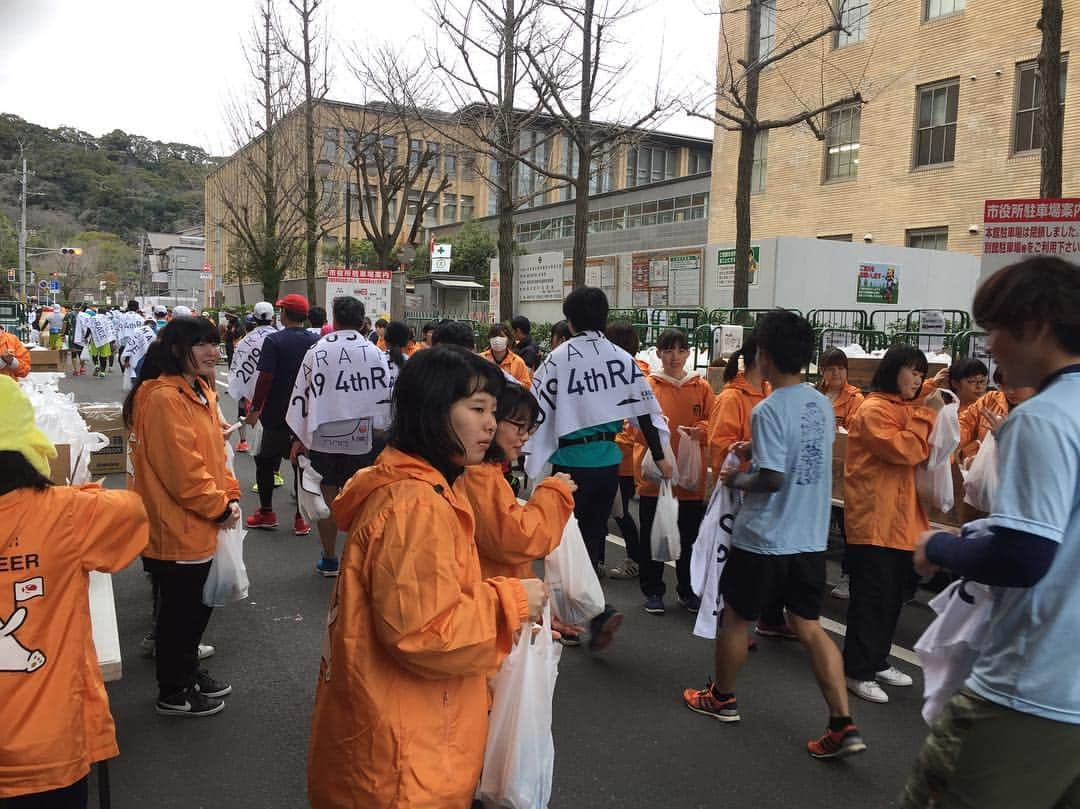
(623, 738)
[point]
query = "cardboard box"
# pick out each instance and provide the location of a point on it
(47, 360)
(958, 514)
(60, 466)
(861, 370)
(106, 418)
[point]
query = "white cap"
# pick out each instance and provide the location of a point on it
(182, 311)
(160, 310)
(264, 311)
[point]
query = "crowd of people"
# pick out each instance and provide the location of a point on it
(418, 447)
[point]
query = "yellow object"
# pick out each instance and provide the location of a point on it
(19, 432)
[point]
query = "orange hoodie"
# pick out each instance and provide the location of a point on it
(176, 462)
(510, 536)
(413, 632)
(887, 439)
(625, 438)
(686, 402)
(846, 404)
(9, 342)
(729, 419)
(56, 719)
(512, 364)
(972, 427)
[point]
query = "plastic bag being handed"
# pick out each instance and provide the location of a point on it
(664, 540)
(933, 477)
(519, 757)
(228, 578)
(651, 472)
(312, 505)
(570, 579)
(688, 461)
(981, 480)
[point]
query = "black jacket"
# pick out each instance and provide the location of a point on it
(529, 352)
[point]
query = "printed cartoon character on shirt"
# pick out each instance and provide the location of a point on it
(13, 655)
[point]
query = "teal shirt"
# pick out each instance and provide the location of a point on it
(593, 455)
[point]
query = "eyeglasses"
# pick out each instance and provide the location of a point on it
(522, 427)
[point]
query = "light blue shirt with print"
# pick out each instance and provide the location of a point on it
(1031, 659)
(792, 432)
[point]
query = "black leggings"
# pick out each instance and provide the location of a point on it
(651, 573)
(181, 620)
(626, 521)
(75, 796)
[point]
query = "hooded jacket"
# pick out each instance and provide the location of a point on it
(729, 420)
(176, 462)
(56, 719)
(887, 439)
(972, 427)
(513, 365)
(625, 438)
(511, 536)
(413, 632)
(686, 402)
(20, 354)
(846, 404)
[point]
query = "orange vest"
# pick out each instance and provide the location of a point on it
(56, 719)
(729, 419)
(514, 365)
(685, 405)
(176, 462)
(887, 439)
(413, 632)
(510, 536)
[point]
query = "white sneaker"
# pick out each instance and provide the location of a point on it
(893, 676)
(841, 590)
(866, 689)
(205, 651)
(627, 570)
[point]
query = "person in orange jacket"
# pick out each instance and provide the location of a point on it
(623, 334)
(14, 356)
(510, 536)
(845, 397)
(987, 414)
(499, 342)
(888, 438)
(729, 420)
(56, 712)
(967, 378)
(413, 630)
(686, 399)
(177, 465)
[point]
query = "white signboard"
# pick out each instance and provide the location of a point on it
(371, 287)
(727, 340)
(932, 320)
(439, 264)
(684, 280)
(494, 288)
(442, 250)
(540, 277)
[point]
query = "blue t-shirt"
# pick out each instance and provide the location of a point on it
(792, 432)
(282, 354)
(1031, 659)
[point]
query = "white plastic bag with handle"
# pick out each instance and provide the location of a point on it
(688, 461)
(311, 502)
(570, 579)
(664, 540)
(651, 472)
(228, 578)
(519, 757)
(933, 477)
(254, 438)
(981, 480)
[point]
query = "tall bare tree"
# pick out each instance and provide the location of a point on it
(1050, 123)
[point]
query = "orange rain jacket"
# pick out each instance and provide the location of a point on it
(510, 536)
(729, 419)
(176, 462)
(887, 438)
(625, 438)
(512, 364)
(972, 427)
(56, 719)
(685, 403)
(846, 404)
(413, 633)
(9, 342)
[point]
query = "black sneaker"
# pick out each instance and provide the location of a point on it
(189, 703)
(209, 687)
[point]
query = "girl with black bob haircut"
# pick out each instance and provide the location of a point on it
(747, 352)
(886, 377)
(396, 335)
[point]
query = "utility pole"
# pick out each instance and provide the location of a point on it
(22, 233)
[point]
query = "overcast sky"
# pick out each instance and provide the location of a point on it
(166, 69)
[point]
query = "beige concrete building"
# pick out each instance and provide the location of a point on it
(951, 96)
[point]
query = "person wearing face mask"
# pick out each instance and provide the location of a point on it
(499, 353)
(888, 437)
(414, 630)
(177, 465)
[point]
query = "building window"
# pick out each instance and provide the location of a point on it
(936, 134)
(449, 208)
(836, 237)
(761, 154)
(767, 30)
(468, 166)
(352, 138)
(842, 143)
(650, 164)
(414, 152)
(699, 162)
(941, 8)
(467, 207)
(853, 16)
(329, 146)
(1028, 135)
(928, 238)
(329, 194)
(450, 160)
(389, 147)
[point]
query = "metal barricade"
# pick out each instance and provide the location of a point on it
(956, 320)
(838, 318)
(886, 320)
(929, 342)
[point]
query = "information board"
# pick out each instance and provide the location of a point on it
(371, 287)
(540, 277)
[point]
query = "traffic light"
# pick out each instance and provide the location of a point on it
(71, 251)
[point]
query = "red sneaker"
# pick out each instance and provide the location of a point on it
(299, 527)
(262, 519)
(837, 743)
(242, 446)
(705, 702)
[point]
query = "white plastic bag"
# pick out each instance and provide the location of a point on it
(711, 550)
(312, 504)
(664, 540)
(651, 472)
(933, 477)
(228, 578)
(85, 355)
(981, 480)
(254, 438)
(570, 579)
(519, 757)
(688, 461)
(126, 382)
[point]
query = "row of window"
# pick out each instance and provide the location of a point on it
(937, 113)
(354, 143)
(452, 204)
(924, 238)
(620, 217)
